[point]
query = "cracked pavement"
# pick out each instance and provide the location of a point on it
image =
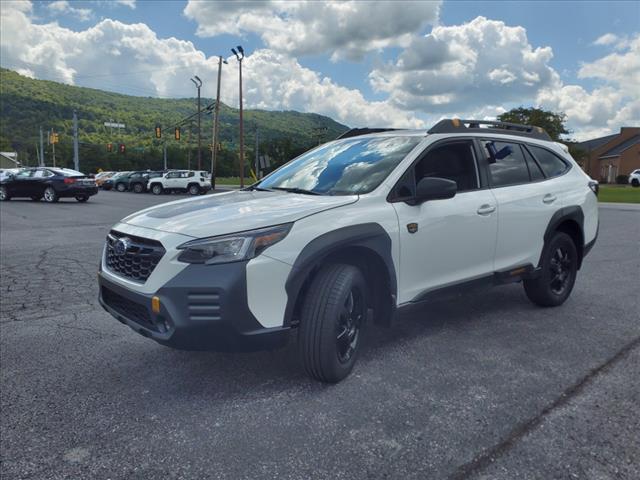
(486, 386)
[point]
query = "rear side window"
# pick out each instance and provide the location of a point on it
(510, 167)
(551, 164)
(534, 168)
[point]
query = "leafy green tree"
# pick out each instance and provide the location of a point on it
(552, 122)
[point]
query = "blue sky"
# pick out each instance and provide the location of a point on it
(399, 63)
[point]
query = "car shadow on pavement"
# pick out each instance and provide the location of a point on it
(232, 376)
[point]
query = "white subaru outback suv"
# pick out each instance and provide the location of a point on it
(354, 231)
(195, 183)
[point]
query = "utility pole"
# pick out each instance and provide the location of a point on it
(189, 145)
(76, 158)
(198, 83)
(41, 159)
(214, 153)
(53, 145)
(164, 148)
(257, 157)
(240, 55)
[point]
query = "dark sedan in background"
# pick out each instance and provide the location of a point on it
(135, 181)
(48, 183)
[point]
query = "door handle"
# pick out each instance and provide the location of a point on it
(549, 198)
(486, 209)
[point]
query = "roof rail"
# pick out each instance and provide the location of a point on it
(456, 125)
(355, 132)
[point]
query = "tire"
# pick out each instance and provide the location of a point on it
(50, 195)
(332, 317)
(121, 187)
(82, 198)
(138, 188)
(156, 189)
(635, 182)
(194, 189)
(4, 195)
(559, 267)
(36, 198)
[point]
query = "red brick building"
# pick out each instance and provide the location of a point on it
(607, 157)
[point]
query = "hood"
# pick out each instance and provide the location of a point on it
(231, 212)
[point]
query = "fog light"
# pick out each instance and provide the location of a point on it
(155, 304)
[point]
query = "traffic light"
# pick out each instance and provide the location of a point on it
(53, 138)
(122, 148)
(158, 131)
(177, 133)
(109, 147)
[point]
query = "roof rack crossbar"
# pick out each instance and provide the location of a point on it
(355, 132)
(456, 125)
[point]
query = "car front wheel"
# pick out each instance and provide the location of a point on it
(156, 189)
(194, 190)
(82, 198)
(635, 182)
(558, 271)
(50, 195)
(138, 188)
(121, 187)
(332, 317)
(4, 195)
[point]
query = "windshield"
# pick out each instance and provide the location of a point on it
(347, 167)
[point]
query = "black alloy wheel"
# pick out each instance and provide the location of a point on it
(557, 275)
(348, 325)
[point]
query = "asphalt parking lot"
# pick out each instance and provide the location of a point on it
(485, 386)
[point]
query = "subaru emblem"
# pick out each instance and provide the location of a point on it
(122, 245)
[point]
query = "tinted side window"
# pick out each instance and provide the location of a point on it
(551, 164)
(453, 161)
(510, 168)
(534, 168)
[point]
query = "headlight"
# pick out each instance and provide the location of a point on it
(232, 248)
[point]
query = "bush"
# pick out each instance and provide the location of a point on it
(622, 179)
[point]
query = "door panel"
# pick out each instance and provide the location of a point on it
(455, 242)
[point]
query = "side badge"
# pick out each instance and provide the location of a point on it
(412, 227)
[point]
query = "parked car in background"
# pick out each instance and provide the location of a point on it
(109, 183)
(137, 182)
(196, 183)
(48, 183)
(102, 177)
(634, 178)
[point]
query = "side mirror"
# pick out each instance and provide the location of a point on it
(434, 188)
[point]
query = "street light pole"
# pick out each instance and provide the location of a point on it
(214, 153)
(198, 83)
(240, 55)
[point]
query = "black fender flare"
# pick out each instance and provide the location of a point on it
(573, 213)
(367, 235)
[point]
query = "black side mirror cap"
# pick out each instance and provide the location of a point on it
(434, 188)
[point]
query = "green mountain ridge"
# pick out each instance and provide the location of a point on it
(26, 104)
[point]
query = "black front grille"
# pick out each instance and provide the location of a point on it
(128, 308)
(137, 260)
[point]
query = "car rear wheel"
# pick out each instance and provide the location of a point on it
(50, 195)
(194, 190)
(4, 195)
(635, 182)
(559, 267)
(156, 189)
(332, 317)
(138, 188)
(82, 198)
(121, 187)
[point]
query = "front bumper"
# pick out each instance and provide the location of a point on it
(202, 308)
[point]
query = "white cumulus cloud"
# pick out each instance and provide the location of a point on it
(131, 58)
(344, 29)
(60, 7)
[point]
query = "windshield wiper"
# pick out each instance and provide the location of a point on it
(296, 190)
(256, 188)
